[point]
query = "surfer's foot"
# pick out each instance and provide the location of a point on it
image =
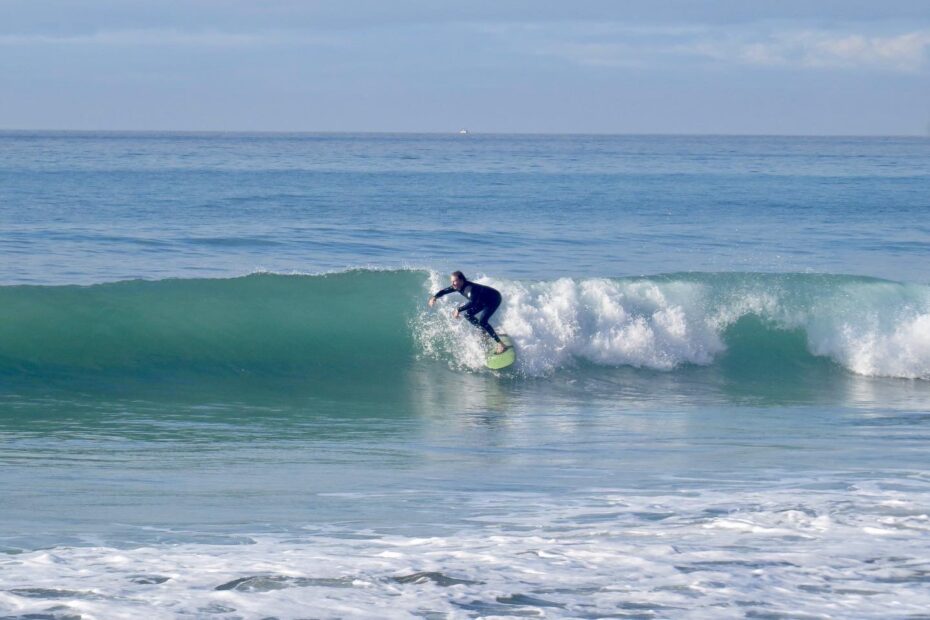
(501, 348)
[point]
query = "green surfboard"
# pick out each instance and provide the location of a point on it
(503, 360)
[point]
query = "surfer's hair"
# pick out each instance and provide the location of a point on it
(459, 275)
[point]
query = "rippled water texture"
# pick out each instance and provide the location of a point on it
(222, 394)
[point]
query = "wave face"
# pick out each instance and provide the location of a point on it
(261, 324)
(367, 326)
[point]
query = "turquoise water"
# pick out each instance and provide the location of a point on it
(222, 394)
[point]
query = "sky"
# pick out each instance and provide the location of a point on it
(812, 67)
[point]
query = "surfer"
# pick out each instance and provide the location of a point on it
(482, 303)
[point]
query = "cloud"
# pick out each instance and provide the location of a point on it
(604, 44)
(906, 52)
(621, 45)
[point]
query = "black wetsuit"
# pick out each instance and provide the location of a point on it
(482, 303)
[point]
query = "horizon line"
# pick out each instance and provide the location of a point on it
(283, 132)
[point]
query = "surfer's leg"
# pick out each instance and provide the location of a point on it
(470, 315)
(479, 318)
(483, 315)
(490, 331)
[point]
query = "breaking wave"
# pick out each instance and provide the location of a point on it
(365, 324)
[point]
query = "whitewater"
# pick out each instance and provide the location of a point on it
(223, 394)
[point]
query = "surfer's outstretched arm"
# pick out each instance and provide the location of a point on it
(445, 291)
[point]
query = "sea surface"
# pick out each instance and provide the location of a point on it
(222, 393)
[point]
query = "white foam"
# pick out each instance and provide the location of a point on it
(638, 323)
(872, 328)
(775, 550)
(871, 346)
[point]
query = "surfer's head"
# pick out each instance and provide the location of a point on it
(458, 280)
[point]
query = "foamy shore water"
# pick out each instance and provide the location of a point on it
(820, 548)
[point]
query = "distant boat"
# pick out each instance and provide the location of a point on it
(463, 132)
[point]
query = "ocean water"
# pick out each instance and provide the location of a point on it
(222, 394)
